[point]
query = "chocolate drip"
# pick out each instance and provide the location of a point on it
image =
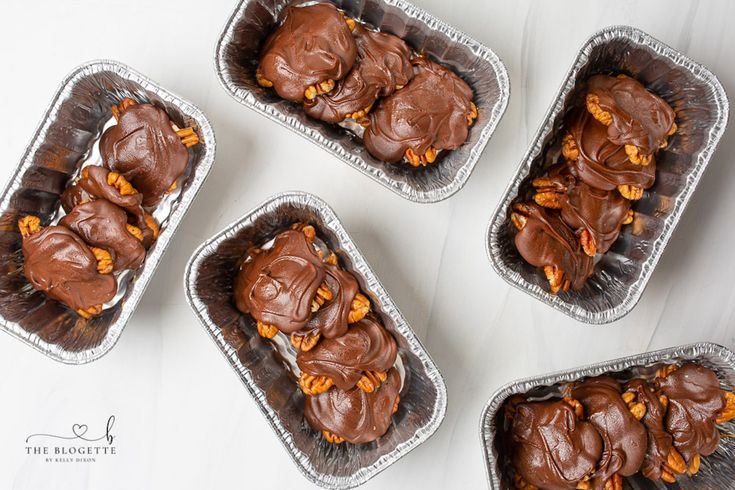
(660, 442)
(94, 186)
(384, 61)
(278, 285)
(551, 448)
(601, 163)
(144, 148)
(59, 263)
(431, 110)
(312, 45)
(354, 415)
(624, 438)
(546, 241)
(102, 224)
(639, 117)
(366, 346)
(695, 400)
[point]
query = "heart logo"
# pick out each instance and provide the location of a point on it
(79, 430)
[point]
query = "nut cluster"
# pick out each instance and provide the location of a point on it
(338, 312)
(599, 176)
(676, 410)
(105, 217)
(353, 85)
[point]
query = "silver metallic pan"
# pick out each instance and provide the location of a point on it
(702, 112)
(64, 139)
(717, 470)
(237, 57)
(208, 283)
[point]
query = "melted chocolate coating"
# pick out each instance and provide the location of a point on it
(430, 111)
(278, 284)
(59, 263)
(603, 164)
(144, 148)
(384, 61)
(331, 320)
(366, 346)
(95, 186)
(102, 224)
(585, 207)
(354, 415)
(551, 448)
(659, 441)
(639, 117)
(695, 400)
(624, 438)
(546, 240)
(312, 45)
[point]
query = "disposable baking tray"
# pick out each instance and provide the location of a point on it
(702, 111)
(209, 288)
(237, 57)
(65, 139)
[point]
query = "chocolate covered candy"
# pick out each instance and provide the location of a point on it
(598, 161)
(624, 438)
(433, 112)
(367, 347)
(553, 448)
(278, 285)
(634, 116)
(544, 240)
(144, 148)
(59, 263)
(102, 224)
(98, 182)
(383, 65)
(354, 415)
(311, 50)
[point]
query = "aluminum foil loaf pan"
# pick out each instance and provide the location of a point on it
(622, 273)
(716, 471)
(237, 56)
(263, 370)
(65, 139)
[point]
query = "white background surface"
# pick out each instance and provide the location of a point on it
(184, 420)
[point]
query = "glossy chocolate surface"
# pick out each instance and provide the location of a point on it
(331, 319)
(624, 438)
(602, 163)
(639, 117)
(384, 61)
(59, 263)
(695, 400)
(93, 185)
(546, 240)
(660, 442)
(366, 346)
(278, 285)
(102, 224)
(354, 415)
(312, 45)
(431, 110)
(584, 207)
(144, 148)
(551, 448)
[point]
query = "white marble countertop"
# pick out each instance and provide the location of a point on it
(183, 419)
